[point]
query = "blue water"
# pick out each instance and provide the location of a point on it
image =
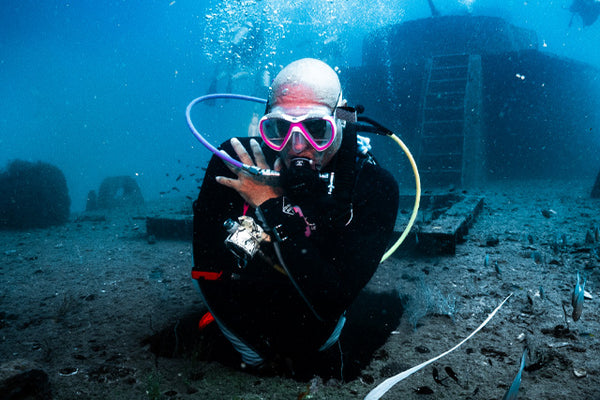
(99, 88)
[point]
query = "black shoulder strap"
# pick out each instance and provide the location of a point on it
(345, 169)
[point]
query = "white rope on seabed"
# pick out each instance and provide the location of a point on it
(386, 385)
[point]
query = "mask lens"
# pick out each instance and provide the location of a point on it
(319, 129)
(275, 130)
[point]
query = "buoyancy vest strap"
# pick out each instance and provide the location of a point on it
(206, 275)
(206, 319)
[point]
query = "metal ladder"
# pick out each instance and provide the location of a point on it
(441, 150)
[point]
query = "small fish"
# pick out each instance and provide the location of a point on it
(178, 177)
(451, 374)
(497, 268)
(436, 376)
(577, 298)
(175, 189)
(513, 390)
(548, 213)
(486, 260)
(423, 390)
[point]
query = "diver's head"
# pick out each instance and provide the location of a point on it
(300, 120)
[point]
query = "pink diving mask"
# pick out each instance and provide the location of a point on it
(277, 128)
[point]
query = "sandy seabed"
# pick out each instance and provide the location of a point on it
(78, 300)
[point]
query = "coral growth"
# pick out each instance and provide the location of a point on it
(34, 195)
(119, 191)
(427, 300)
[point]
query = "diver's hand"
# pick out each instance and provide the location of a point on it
(255, 190)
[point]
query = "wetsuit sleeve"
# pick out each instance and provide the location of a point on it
(332, 264)
(214, 205)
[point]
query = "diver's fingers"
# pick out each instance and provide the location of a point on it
(231, 167)
(241, 152)
(259, 156)
(229, 182)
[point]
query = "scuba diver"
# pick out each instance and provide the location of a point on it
(279, 260)
(588, 10)
(434, 11)
(245, 45)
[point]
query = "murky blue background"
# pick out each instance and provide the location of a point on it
(100, 88)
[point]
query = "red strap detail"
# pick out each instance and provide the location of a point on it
(205, 320)
(246, 207)
(206, 275)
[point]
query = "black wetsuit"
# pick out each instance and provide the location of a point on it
(259, 303)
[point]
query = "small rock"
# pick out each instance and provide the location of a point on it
(580, 372)
(548, 213)
(589, 237)
(68, 371)
(23, 379)
(422, 349)
(491, 241)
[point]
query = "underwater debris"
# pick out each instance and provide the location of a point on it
(580, 372)
(427, 300)
(386, 385)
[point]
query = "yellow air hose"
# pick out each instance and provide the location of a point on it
(417, 198)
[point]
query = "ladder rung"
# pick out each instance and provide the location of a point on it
(441, 154)
(449, 80)
(445, 108)
(442, 136)
(441, 171)
(443, 121)
(455, 66)
(446, 92)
